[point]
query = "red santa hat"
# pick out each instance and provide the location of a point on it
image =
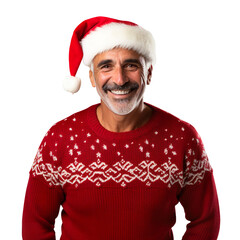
(99, 34)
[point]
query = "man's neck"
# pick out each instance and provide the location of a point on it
(123, 123)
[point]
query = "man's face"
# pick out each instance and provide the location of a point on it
(120, 76)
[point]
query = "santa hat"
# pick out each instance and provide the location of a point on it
(99, 34)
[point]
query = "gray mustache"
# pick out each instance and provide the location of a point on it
(126, 86)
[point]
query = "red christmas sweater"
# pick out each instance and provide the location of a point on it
(120, 186)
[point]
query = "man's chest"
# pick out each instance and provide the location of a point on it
(149, 161)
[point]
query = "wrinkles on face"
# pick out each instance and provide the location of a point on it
(120, 78)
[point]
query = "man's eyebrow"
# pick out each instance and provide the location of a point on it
(129, 60)
(103, 62)
(132, 60)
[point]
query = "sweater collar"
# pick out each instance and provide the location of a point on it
(95, 125)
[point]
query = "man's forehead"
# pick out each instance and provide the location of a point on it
(117, 54)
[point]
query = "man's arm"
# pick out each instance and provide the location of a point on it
(41, 208)
(44, 194)
(200, 203)
(199, 196)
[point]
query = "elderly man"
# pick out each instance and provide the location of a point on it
(119, 168)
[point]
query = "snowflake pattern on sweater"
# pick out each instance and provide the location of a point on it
(78, 150)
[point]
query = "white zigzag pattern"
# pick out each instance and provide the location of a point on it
(121, 172)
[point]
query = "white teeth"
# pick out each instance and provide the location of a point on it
(120, 92)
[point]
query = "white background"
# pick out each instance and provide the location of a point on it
(195, 78)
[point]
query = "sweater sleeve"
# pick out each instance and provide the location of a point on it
(199, 196)
(44, 194)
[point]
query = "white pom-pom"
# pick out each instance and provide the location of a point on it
(72, 84)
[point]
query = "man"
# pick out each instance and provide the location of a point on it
(119, 167)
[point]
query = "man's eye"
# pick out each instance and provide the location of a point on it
(131, 67)
(105, 67)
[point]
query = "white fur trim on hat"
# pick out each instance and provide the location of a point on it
(118, 35)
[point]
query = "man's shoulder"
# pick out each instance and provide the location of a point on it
(74, 119)
(170, 121)
(166, 117)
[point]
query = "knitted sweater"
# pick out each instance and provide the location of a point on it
(120, 186)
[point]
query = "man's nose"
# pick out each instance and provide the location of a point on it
(119, 77)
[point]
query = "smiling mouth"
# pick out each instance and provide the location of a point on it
(121, 92)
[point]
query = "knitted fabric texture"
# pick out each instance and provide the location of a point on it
(120, 185)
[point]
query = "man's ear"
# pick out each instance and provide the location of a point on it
(149, 77)
(91, 76)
